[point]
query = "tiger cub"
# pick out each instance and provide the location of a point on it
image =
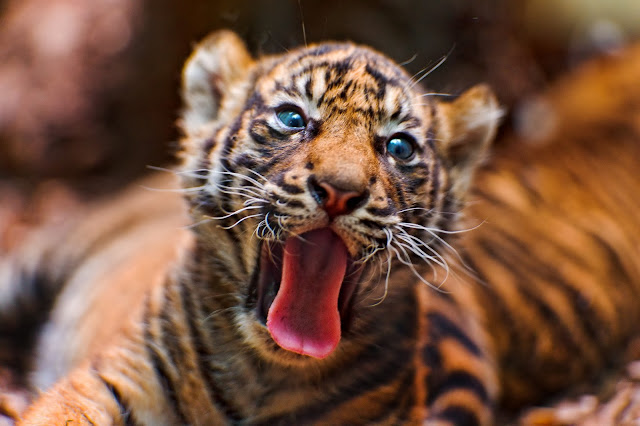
(322, 186)
(326, 278)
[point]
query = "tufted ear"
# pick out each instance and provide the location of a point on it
(471, 123)
(216, 66)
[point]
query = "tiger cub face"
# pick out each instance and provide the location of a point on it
(307, 169)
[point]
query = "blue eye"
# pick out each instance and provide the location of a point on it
(291, 118)
(400, 147)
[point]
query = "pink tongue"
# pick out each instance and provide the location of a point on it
(304, 316)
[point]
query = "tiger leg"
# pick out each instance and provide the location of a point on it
(460, 377)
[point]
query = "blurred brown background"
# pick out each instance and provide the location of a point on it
(88, 90)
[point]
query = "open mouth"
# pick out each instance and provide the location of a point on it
(305, 291)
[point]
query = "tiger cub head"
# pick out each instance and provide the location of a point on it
(303, 170)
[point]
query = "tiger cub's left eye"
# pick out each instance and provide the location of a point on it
(400, 147)
(291, 118)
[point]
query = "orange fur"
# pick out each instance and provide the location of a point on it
(544, 293)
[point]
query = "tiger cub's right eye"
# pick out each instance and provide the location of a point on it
(291, 118)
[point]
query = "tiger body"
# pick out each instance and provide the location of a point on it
(540, 296)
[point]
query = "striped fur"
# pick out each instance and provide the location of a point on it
(560, 243)
(536, 299)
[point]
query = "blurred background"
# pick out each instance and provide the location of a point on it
(89, 90)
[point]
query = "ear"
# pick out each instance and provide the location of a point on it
(216, 66)
(470, 125)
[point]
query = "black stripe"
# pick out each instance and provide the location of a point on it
(514, 262)
(398, 188)
(450, 206)
(287, 187)
(255, 101)
(386, 370)
(375, 226)
(400, 405)
(308, 68)
(441, 327)
(321, 49)
(617, 267)
(252, 295)
(307, 87)
(418, 175)
(204, 162)
(432, 359)
(341, 68)
(394, 116)
(257, 137)
(234, 233)
(161, 370)
(203, 170)
(459, 380)
(294, 203)
(380, 79)
(489, 198)
(289, 89)
(384, 211)
(381, 360)
(126, 413)
(170, 341)
(344, 93)
(208, 146)
(35, 298)
(369, 113)
(410, 122)
(224, 161)
(245, 160)
(435, 184)
(592, 323)
(275, 156)
(206, 370)
(291, 189)
(458, 415)
(498, 305)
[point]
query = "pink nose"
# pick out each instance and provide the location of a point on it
(336, 201)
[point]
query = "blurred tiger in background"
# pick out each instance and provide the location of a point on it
(343, 261)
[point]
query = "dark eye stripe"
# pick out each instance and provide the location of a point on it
(386, 211)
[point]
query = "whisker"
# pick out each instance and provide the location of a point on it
(175, 172)
(386, 280)
(241, 220)
(218, 312)
(241, 176)
(424, 244)
(438, 94)
(407, 261)
(304, 31)
(432, 69)
(196, 224)
(266, 221)
(174, 190)
(227, 216)
(415, 208)
(436, 230)
(248, 192)
(408, 61)
(414, 245)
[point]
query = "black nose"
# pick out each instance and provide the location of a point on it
(336, 201)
